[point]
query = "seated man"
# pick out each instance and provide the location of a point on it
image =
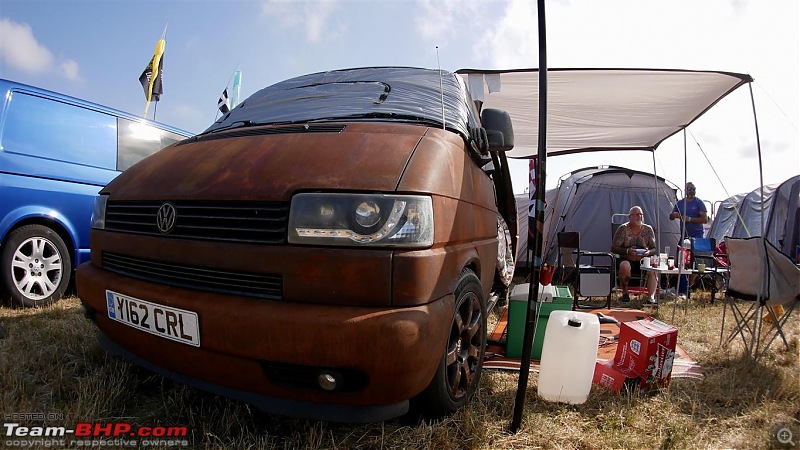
(633, 241)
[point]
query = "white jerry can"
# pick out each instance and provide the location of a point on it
(569, 354)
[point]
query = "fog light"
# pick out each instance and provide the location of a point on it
(327, 381)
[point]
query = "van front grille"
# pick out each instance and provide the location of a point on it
(256, 222)
(198, 278)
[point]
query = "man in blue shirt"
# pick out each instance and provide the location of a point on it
(692, 212)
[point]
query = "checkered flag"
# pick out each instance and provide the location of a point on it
(224, 102)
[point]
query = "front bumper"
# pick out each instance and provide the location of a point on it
(244, 340)
(273, 405)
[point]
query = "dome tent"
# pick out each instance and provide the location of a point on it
(739, 216)
(585, 201)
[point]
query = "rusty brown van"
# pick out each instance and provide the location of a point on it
(326, 249)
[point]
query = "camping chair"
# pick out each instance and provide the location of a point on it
(704, 251)
(770, 282)
(635, 284)
(587, 280)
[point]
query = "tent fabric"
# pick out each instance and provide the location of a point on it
(600, 109)
(725, 217)
(739, 216)
(585, 200)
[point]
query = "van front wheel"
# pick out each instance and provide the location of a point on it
(459, 371)
(35, 266)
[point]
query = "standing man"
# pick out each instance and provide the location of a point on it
(692, 212)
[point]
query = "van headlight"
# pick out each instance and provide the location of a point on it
(99, 212)
(361, 219)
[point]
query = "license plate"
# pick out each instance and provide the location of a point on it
(174, 324)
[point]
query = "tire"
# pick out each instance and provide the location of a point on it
(459, 372)
(35, 266)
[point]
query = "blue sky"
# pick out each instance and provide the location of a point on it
(96, 50)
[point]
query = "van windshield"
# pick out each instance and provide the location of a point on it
(423, 96)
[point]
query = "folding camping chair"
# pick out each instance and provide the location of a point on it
(770, 284)
(635, 284)
(587, 280)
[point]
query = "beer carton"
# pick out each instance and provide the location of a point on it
(614, 379)
(647, 349)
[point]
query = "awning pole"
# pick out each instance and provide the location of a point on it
(760, 166)
(684, 232)
(757, 329)
(536, 229)
(656, 203)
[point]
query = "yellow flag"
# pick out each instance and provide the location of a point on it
(151, 77)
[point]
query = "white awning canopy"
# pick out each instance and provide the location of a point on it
(600, 109)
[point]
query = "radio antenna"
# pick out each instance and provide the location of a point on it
(441, 87)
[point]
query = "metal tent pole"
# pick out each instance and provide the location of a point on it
(758, 321)
(535, 229)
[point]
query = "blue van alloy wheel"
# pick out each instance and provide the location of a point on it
(36, 266)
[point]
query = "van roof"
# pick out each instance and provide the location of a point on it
(14, 86)
(416, 95)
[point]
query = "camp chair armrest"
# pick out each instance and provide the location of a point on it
(610, 254)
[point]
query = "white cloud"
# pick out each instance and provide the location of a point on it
(747, 36)
(19, 49)
(445, 21)
(69, 68)
(514, 41)
(313, 17)
(436, 20)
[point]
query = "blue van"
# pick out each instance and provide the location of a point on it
(56, 153)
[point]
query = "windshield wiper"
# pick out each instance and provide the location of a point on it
(382, 115)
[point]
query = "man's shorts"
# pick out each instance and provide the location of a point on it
(636, 267)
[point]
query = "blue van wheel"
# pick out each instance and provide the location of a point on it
(35, 264)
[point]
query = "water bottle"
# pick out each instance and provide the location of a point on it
(684, 259)
(687, 251)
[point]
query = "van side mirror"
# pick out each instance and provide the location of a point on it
(498, 129)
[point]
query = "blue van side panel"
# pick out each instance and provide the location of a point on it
(49, 169)
(57, 152)
(66, 203)
(46, 129)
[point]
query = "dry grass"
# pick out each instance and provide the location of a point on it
(50, 362)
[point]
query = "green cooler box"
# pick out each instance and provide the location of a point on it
(553, 298)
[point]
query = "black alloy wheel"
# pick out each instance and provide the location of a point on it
(459, 371)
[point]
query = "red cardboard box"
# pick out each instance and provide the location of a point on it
(605, 374)
(646, 348)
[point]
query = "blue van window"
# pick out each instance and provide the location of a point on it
(45, 128)
(138, 140)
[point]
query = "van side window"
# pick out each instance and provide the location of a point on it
(138, 140)
(54, 130)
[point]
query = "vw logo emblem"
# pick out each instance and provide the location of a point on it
(165, 218)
